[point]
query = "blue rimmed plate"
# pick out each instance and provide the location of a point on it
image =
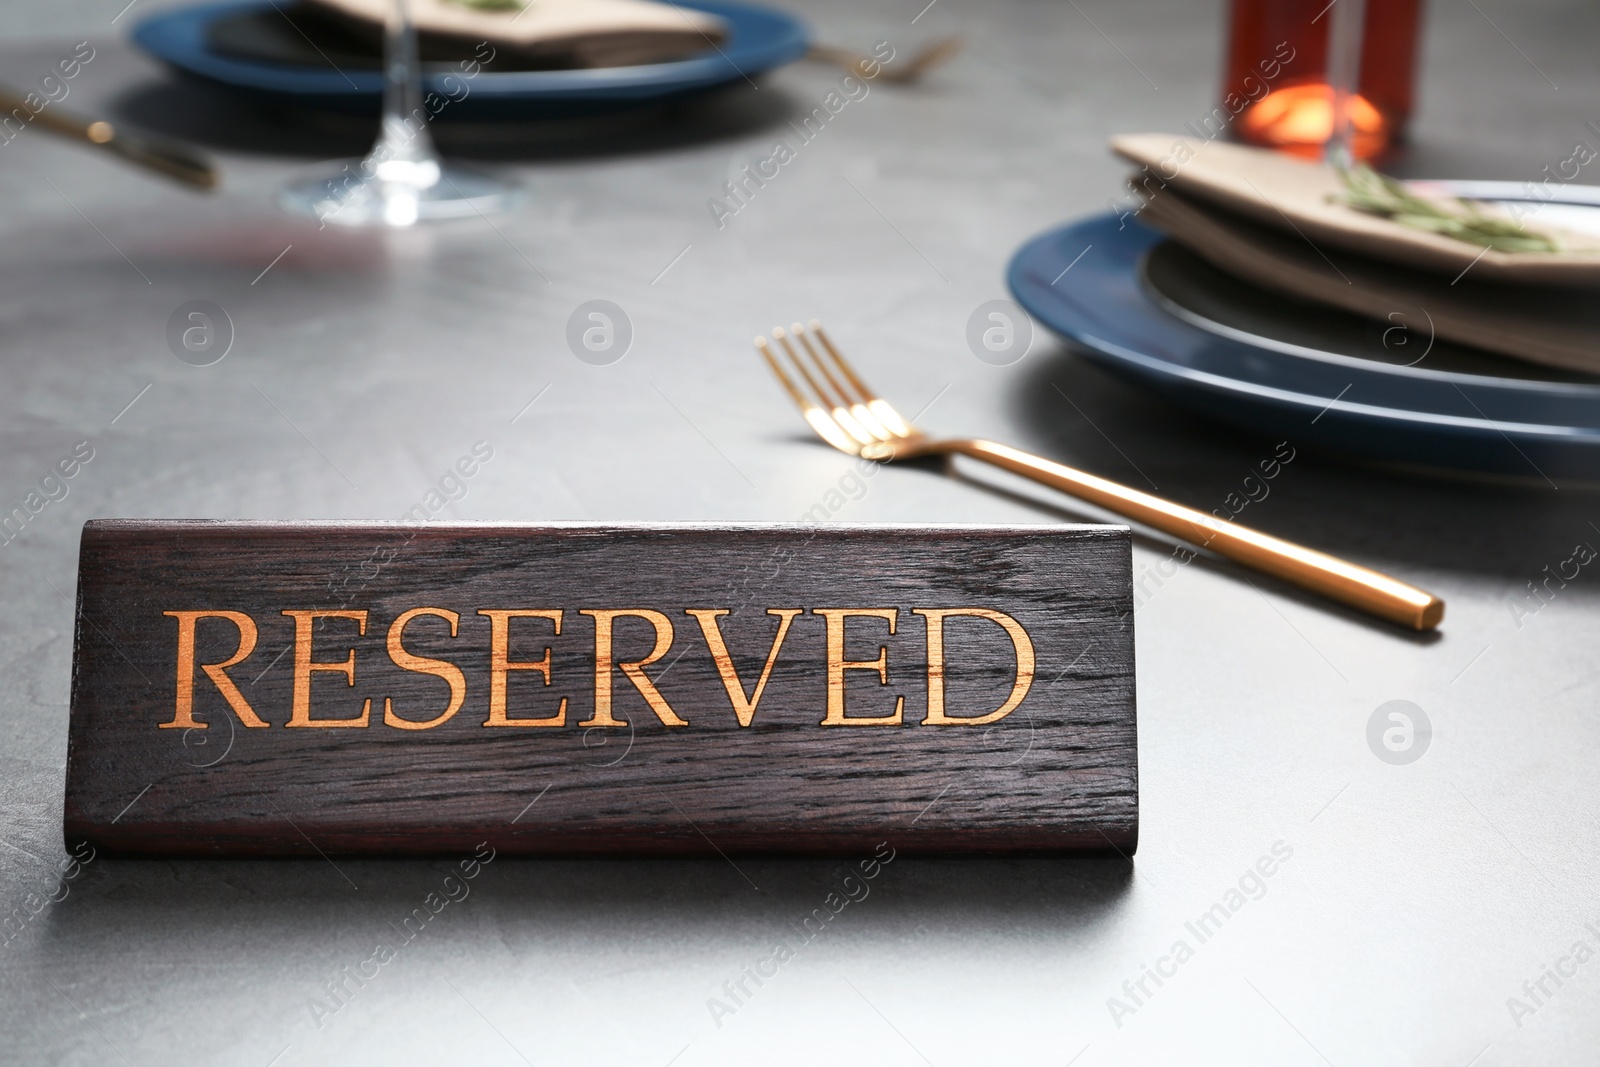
(1161, 318)
(759, 39)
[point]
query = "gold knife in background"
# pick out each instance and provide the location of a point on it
(174, 159)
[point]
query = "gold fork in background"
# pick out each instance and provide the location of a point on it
(905, 73)
(855, 420)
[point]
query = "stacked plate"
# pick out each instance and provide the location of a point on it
(1166, 319)
(249, 47)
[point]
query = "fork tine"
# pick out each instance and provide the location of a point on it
(855, 406)
(801, 401)
(887, 416)
(840, 395)
(841, 415)
(820, 420)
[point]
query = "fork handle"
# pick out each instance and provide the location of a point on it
(1360, 588)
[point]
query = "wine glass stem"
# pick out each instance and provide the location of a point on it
(404, 132)
(1344, 76)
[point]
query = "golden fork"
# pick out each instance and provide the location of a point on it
(905, 73)
(855, 420)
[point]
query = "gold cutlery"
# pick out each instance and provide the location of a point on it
(854, 419)
(895, 73)
(174, 159)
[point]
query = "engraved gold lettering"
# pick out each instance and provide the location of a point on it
(304, 665)
(423, 665)
(604, 664)
(744, 702)
(837, 665)
(1020, 642)
(744, 708)
(500, 665)
(183, 714)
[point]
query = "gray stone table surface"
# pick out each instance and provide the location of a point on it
(1409, 904)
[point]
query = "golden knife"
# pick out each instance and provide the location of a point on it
(174, 159)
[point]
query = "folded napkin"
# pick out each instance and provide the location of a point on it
(543, 33)
(1541, 324)
(1302, 198)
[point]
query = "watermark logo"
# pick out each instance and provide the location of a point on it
(737, 992)
(53, 88)
(52, 487)
(339, 991)
(1538, 992)
(1137, 992)
(38, 899)
(1403, 337)
(1399, 732)
(200, 333)
(999, 333)
(1253, 489)
(599, 332)
(1552, 580)
(740, 190)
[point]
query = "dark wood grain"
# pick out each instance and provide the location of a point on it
(1059, 772)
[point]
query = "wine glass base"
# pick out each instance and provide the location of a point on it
(349, 197)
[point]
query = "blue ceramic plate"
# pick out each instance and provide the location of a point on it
(1138, 305)
(759, 39)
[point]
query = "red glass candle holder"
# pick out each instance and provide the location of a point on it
(1277, 87)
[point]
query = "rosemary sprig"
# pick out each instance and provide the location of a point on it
(1377, 194)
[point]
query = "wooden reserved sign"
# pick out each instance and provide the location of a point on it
(269, 688)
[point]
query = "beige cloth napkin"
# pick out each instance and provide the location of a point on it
(1292, 195)
(585, 33)
(1555, 327)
